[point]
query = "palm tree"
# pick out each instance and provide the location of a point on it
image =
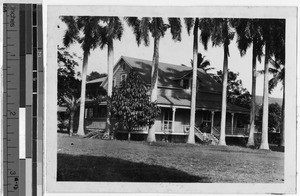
(279, 65)
(111, 31)
(72, 104)
(220, 33)
(268, 38)
(278, 73)
(202, 63)
(157, 27)
(189, 24)
(249, 32)
(84, 30)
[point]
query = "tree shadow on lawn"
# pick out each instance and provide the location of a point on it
(108, 169)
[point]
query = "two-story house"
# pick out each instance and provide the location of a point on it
(174, 99)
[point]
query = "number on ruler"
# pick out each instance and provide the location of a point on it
(12, 113)
(4, 8)
(12, 173)
(39, 54)
(16, 183)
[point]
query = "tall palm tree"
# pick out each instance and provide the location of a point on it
(220, 33)
(84, 30)
(268, 32)
(249, 32)
(112, 30)
(190, 22)
(157, 27)
(72, 104)
(278, 73)
(279, 65)
(202, 63)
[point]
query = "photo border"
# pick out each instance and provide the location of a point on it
(50, 161)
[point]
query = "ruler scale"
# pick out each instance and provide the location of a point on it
(11, 64)
(22, 99)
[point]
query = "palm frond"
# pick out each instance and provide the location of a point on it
(71, 34)
(206, 31)
(189, 23)
(144, 27)
(175, 25)
(135, 24)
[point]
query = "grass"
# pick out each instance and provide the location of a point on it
(84, 159)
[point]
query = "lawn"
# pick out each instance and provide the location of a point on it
(82, 159)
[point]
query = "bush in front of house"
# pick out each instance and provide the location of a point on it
(131, 105)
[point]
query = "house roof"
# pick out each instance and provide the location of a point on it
(170, 91)
(168, 74)
(99, 80)
(205, 101)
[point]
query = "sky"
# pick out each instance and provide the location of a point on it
(175, 53)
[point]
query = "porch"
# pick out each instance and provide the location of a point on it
(176, 120)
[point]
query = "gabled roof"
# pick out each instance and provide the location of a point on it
(208, 96)
(169, 74)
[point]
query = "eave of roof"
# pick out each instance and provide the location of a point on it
(98, 80)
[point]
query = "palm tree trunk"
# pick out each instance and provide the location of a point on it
(80, 130)
(129, 136)
(110, 59)
(154, 81)
(253, 95)
(282, 138)
(71, 122)
(191, 137)
(224, 97)
(264, 139)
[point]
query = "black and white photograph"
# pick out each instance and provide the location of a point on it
(171, 98)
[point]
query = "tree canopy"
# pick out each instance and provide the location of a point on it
(237, 94)
(131, 105)
(95, 75)
(68, 85)
(274, 120)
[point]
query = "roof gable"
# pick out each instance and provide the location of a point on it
(169, 74)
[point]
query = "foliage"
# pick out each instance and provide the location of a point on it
(131, 105)
(68, 85)
(237, 94)
(274, 122)
(112, 29)
(95, 75)
(156, 26)
(202, 63)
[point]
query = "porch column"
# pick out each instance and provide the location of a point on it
(212, 122)
(232, 120)
(173, 119)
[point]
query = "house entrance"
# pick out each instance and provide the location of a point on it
(167, 120)
(206, 122)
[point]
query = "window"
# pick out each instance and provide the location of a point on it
(186, 84)
(123, 77)
(123, 66)
(114, 82)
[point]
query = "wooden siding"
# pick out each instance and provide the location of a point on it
(120, 71)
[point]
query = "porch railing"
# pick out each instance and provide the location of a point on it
(144, 129)
(234, 131)
(167, 128)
